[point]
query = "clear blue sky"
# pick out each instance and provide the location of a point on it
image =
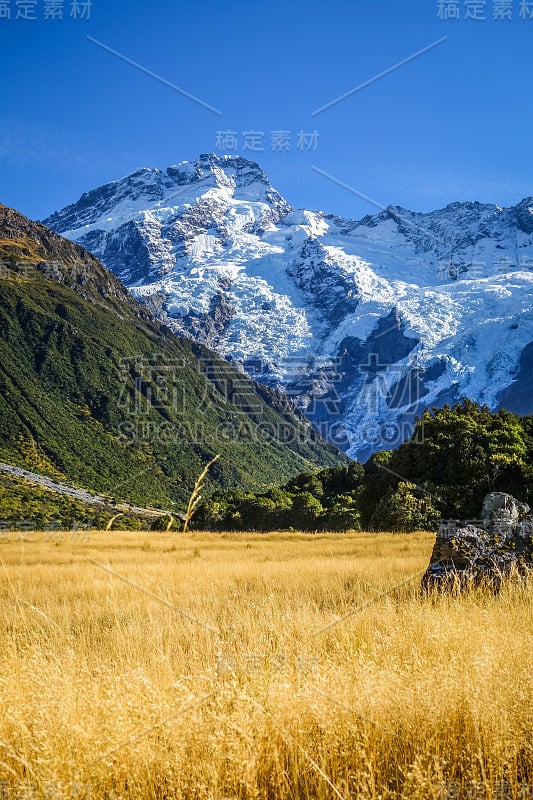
(456, 123)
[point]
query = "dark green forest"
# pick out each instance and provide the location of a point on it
(454, 458)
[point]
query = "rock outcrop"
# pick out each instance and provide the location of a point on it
(488, 550)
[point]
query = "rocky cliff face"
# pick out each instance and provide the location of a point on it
(28, 247)
(363, 322)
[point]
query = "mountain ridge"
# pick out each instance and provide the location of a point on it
(305, 300)
(95, 390)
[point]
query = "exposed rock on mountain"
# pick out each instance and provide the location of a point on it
(96, 392)
(376, 318)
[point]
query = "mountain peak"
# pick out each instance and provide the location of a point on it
(425, 300)
(228, 162)
(227, 171)
(153, 189)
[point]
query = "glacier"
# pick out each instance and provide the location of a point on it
(362, 323)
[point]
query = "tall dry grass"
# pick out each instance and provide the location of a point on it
(164, 666)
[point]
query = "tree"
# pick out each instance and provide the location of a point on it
(343, 515)
(458, 454)
(306, 511)
(406, 509)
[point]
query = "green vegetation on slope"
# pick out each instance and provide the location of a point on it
(27, 507)
(95, 392)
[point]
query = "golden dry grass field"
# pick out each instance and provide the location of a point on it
(256, 666)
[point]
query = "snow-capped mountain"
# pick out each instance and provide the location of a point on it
(365, 322)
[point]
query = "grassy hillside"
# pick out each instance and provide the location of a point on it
(94, 391)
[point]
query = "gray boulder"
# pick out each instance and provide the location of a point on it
(486, 551)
